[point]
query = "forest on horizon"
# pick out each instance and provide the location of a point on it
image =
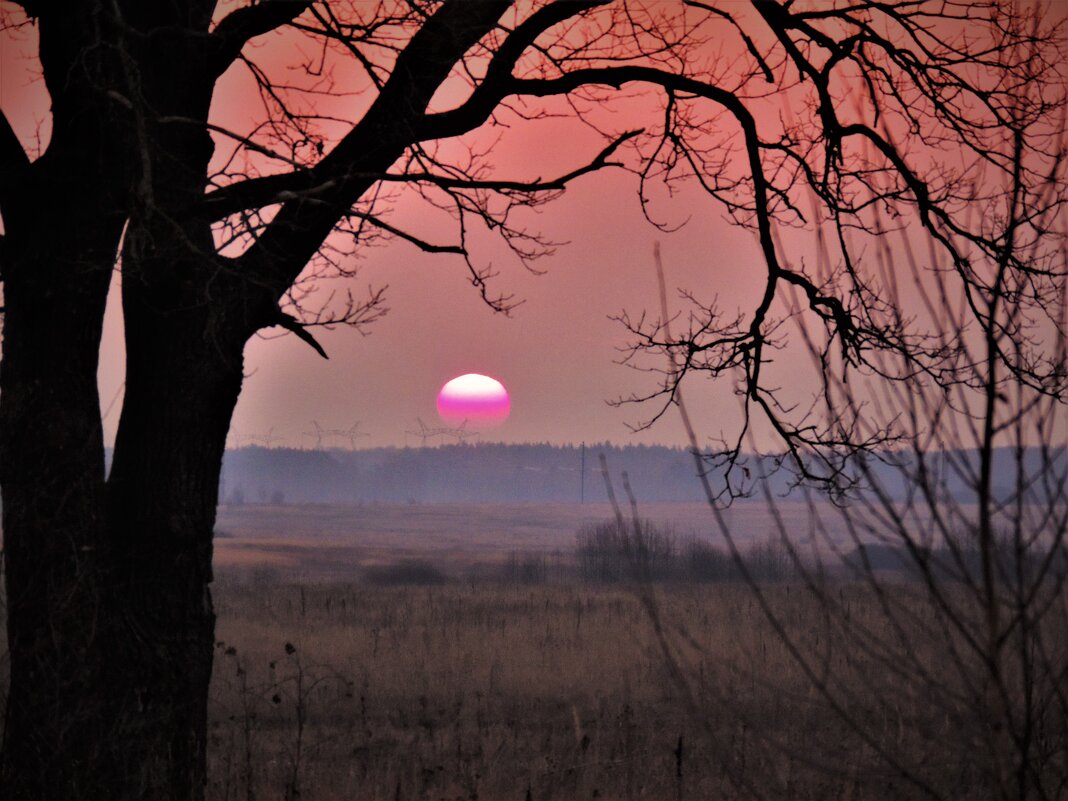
(509, 473)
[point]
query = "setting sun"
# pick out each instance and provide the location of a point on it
(479, 400)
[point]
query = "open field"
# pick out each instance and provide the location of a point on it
(328, 686)
(332, 543)
(564, 692)
(481, 693)
(471, 683)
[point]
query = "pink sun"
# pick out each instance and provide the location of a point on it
(480, 400)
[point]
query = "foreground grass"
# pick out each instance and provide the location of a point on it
(566, 692)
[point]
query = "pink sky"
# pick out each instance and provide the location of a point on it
(557, 354)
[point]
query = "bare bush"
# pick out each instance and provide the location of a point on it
(411, 572)
(642, 551)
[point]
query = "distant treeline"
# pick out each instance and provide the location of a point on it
(497, 473)
(469, 473)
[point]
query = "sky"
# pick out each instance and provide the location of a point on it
(558, 353)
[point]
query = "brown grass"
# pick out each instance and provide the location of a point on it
(481, 689)
(335, 680)
(554, 692)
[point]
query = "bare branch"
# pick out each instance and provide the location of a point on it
(422, 244)
(293, 325)
(339, 168)
(381, 137)
(258, 192)
(238, 27)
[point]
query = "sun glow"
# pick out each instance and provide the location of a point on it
(479, 400)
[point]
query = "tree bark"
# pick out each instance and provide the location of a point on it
(52, 478)
(110, 625)
(186, 327)
(162, 494)
(63, 219)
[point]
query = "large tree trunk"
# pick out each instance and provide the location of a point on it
(111, 627)
(52, 478)
(110, 616)
(162, 495)
(110, 622)
(185, 336)
(63, 218)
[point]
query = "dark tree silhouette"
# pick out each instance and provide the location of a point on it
(222, 233)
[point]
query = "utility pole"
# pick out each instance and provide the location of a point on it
(582, 478)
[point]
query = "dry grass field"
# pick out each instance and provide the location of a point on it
(386, 654)
(554, 692)
(332, 686)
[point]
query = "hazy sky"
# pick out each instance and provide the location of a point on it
(558, 352)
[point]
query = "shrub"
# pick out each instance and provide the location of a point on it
(410, 572)
(610, 552)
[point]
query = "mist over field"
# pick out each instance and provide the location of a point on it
(506, 473)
